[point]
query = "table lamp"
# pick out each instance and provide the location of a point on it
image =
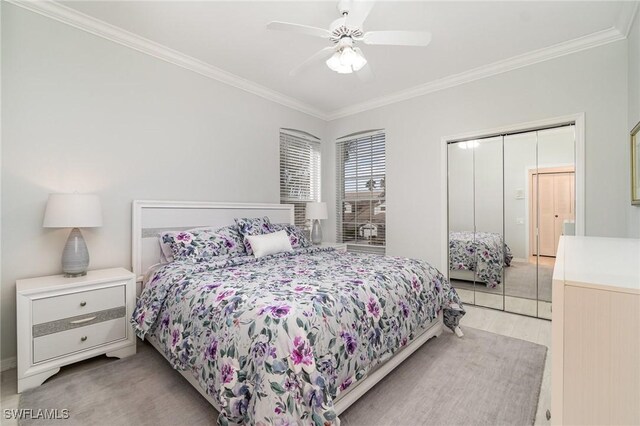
(316, 211)
(73, 211)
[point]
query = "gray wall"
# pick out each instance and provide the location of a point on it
(81, 113)
(592, 81)
(633, 44)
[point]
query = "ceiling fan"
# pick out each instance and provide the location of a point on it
(344, 56)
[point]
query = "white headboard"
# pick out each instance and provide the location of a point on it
(152, 217)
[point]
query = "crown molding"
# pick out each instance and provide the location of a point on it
(628, 12)
(74, 18)
(530, 58)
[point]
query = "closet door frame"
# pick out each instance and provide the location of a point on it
(578, 120)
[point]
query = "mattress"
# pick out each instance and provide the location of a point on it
(484, 253)
(279, 339)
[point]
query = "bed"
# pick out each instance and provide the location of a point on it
(288, 338)
(478, 256)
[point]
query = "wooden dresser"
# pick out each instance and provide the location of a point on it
(596, 332)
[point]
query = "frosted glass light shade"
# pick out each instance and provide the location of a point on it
(348, 56)
(347, 60)
(335, 64)
(73, 211)
(316, 210)
(358, 61)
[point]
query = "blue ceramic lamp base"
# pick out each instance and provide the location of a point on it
(75, 257)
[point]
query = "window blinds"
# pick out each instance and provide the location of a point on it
(361, 193)
(299, 171)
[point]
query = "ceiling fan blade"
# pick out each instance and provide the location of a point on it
(358, 13)
(398, 38)
(315, 58)
(298, 28)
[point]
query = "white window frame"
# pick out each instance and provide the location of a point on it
(376, 136)
(295, 155)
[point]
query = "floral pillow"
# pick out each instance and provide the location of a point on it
(227, 240)
(201, 243)
(253, 226)
(296, 234)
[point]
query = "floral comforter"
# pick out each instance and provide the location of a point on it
(482, 252)
(276, 340)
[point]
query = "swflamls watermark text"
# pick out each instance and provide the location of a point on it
(36, 414)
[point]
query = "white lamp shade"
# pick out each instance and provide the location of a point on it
(316, 211)
(73, 211)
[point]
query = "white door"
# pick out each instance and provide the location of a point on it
(553, 197)
(563, 200)
(546, 208)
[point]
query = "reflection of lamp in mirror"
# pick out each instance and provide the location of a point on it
(73, 211)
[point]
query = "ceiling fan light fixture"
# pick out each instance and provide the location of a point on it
(335, 64)
(344, 32)
(359, 60)
(346, 60)
(347, 56)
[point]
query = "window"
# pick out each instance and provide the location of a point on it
(361, 193)
(299, 171)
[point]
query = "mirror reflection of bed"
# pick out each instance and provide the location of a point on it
(510, 199)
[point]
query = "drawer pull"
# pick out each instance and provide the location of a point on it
(82, 320)
(83, 338)
(83, 304)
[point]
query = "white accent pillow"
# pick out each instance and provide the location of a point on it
(266, 244)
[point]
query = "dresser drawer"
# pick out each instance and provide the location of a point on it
(73, 304)
(78, 339)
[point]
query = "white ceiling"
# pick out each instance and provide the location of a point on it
(232, 36)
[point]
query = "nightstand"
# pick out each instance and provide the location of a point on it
(65, 320)
(338, 246)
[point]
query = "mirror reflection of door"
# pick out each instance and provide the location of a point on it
(552, 194)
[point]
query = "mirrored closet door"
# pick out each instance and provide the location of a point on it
(510, 198)
(461, 197)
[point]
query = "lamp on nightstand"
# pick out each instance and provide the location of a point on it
(316, 212)
(73, 211)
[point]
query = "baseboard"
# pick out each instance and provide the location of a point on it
(8, 363)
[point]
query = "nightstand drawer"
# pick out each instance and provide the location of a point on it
(73, 304)
(78, 339)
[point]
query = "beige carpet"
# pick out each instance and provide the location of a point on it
(481, 379)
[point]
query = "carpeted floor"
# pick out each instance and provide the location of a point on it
(519, 281)
(481, 379)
